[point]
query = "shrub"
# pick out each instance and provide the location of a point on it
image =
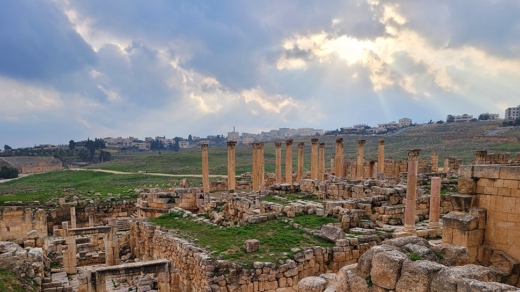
(8, 172)
(439, 255)
(415, 257)
(369, 281)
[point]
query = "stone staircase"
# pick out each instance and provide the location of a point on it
(123, 223)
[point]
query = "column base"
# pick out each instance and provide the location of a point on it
(434, 225)
(410, 228)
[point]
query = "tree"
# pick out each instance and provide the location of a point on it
(440, 122)
(176, 147)
(84, 154)
(7, 148)
(104, 156)
(473, 120)
(483, 117)
(190, 139)
(8, 172)
(450, 119)
(72, 145)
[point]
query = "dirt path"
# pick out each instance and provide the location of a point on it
(149, 173)
(19, 176)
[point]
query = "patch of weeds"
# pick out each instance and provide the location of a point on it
(369, 281)
(439, 255)
(476, 179)
(312, 221)
(205, 215)
(415, 257)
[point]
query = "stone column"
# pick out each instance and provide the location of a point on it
(480, 157)
(69, 258)
(360, 160)
(353, 169)
(231, 165)
(321, 172)
(254, 173)
(435, 203)
(205, 168)
(288, 161)
(411, 191)
(381, 157)
(332, 168)
(108, 238)
(163, 281)
(339, 157)
(434, 161)
(261, 166)
(278, 165)
(446, 164)
(314, 158)
(72, 216)
(300, 161)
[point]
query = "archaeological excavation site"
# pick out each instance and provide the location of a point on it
(360, 225)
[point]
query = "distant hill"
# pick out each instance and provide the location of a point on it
(460, 140)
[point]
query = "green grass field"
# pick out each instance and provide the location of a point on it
(45, 186)
(10, 282)
(276, 237)
(429, 138)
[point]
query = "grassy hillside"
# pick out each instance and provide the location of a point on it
(45, 186)
(428, 138)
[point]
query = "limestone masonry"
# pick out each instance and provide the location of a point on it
(362, 224)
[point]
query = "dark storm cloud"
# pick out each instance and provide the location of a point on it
(38, 42)
(180, 67)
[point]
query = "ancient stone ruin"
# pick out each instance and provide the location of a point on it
(361, 225)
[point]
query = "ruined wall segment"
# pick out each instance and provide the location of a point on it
(16, 222)
(496, 189)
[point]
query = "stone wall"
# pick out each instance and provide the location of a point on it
(496, 189)
(194, 270)
(32, 164)
(100, 212)
(16, 222)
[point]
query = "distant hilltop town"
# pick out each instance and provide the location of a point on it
(511, 118)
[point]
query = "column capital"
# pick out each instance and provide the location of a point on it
(339, 140)
(381, 141)
(278, 144)
(204, 146)
(288, 142)
(254, 145)
(413, 154)
(481, 153)
(300, 145)
(314, 141)
(361, 142)
(261, 145)
(231, 144)
(322, 145)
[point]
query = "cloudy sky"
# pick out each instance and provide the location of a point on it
(72, 69)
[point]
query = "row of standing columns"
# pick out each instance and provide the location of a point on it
(317, 162)
(258, 173)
